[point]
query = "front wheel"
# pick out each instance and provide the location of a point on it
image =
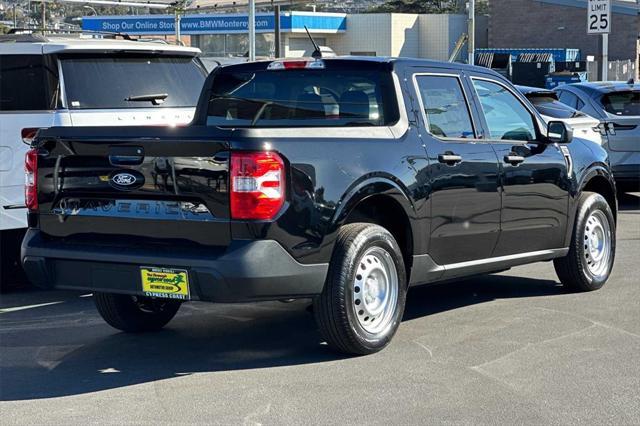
(588, 264)
(362, 303)
(135, 314)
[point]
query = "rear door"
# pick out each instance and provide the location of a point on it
(463, 171)
(534, 174)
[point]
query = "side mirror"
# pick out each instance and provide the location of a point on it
(559, 132)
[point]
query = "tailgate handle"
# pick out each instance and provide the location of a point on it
(126, 155)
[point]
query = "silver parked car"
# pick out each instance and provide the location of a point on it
(551, 109)
(617, 106)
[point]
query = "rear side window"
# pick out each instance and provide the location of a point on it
(131, 81)
(445, 106)
(27, 83)
(622, 103)
(505, 115)
(569, 99)
(302, 98)
(549, 106)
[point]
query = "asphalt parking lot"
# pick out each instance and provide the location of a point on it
(507, 348)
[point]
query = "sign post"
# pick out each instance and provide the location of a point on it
(472, 32)
(252, 30)
(599, 22)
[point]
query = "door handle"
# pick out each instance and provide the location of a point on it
(513, 159)
(126, 155)
(449, 158)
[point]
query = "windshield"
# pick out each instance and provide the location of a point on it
(302, 98)
(551, 107)
(622, 103)
(130, 81)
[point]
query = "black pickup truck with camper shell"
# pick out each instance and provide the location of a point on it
(343, 180)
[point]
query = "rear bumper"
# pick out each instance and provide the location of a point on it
(244, 271)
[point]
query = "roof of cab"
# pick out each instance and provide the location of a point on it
(44, 44)
(381, 60)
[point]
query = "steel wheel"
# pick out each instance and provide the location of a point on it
(375, 290)
(597, 243)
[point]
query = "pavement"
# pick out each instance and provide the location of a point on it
(513, 348)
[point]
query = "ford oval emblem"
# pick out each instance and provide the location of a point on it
(126, 180)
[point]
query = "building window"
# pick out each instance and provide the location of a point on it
(227, 45)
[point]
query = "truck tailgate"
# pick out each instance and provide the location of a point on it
(160, 184)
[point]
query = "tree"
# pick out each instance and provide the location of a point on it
(417, 6)
(428, 6)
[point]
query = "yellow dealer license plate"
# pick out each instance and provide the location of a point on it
(165, 282)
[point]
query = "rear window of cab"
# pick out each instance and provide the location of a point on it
(302, 98)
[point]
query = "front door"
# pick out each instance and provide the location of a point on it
(534, 176)
(463, 173)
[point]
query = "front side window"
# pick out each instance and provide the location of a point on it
(505, 115)
(445, 106)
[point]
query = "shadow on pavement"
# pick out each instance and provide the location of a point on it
(40, 359)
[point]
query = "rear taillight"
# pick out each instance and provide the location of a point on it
(28, 135)
(31, 179)
(257, 185)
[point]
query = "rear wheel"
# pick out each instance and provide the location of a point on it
(588, 264)
(362, 303)
(135, 314)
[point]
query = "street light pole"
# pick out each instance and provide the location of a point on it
(86, 6)
(472, 31)
(605, 57)
(252, 30)
(44, 17)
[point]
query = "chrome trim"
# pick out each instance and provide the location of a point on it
(63, 90)
(489, 260)
(425, 270)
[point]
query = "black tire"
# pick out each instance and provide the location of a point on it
(573, 269)
(335, 309)
(135, 314)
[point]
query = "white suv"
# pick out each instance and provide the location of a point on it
(57, 80)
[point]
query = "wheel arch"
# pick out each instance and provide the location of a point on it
(598, 179)
(386, 203)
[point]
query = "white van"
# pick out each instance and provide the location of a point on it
(66, 80)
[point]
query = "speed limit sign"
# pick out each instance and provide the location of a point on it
(599, 17)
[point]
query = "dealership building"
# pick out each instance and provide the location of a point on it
(380, 34)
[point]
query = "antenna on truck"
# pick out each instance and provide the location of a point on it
(317, 53)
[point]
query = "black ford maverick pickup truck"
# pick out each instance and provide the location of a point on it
(344, 180)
